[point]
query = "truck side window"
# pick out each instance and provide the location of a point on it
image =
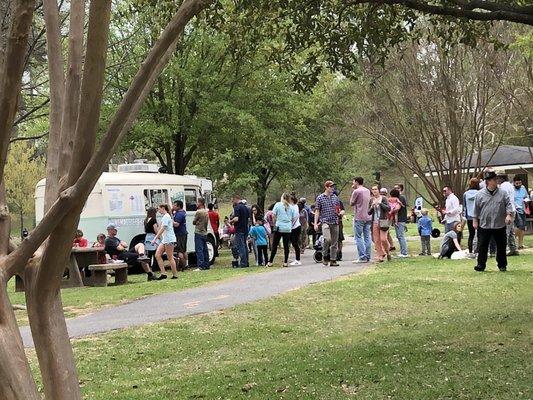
(190, 199)
(155, 197)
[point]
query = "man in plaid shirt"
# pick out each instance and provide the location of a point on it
(327, 214)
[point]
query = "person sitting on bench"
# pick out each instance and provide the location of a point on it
(116, 249)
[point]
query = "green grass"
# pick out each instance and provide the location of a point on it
(409, 329)
(78, 301)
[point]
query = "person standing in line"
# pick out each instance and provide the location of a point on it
(214, 220)
(255, 214)
(425, 226)
(311, 230)
(304, 218)
(259, 235)
(469, 198)
(378, 208)
(341, 213)
(200, 221)
(269, 224)
(452, 209)
(493, 212)
(506, 186)
(283, 215)
(168, 241)
(385, 192)
(521, 199)
(241, 217)
(296, 229)
(401, 219)
(180, 230)
(327, 209)
(309, 224)
(362, 224)
(150, 229)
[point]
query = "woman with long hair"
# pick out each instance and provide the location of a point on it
(168, 241)
(296, 229)
(283, 215)
(378, 209)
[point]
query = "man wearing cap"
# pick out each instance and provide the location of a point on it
(362, 221)
(507, 187)
(493, 212)
(116, 249)
(327, 210)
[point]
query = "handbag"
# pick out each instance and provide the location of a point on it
(384, 224)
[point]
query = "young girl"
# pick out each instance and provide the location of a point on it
(450, 241)
(395, 206)
(100, 241)
(168, 241)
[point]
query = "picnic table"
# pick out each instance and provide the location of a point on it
(79, 261)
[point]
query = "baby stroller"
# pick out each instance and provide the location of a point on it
(319, 247)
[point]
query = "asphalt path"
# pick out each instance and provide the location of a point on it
(209, 298)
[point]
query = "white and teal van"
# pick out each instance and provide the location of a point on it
(122, 198)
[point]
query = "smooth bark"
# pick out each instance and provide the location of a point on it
(57, 76)
(11, 69)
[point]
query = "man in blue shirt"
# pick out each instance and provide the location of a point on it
(241, 216)
(520, 199)
(180, 230)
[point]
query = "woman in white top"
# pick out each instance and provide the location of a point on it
(296, 229)
(168, 241)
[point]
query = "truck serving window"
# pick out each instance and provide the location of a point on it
(154, 197)
(190, 199)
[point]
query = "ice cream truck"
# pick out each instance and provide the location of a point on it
(123, 197)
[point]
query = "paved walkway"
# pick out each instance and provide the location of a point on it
(209, 298)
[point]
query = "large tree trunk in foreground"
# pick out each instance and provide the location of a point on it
(43, 275)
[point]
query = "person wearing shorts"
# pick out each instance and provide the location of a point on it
(180, 230)
(520, 199)
(168, 242)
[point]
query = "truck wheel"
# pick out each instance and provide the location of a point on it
(211, 249)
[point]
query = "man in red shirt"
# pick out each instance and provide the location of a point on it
(214, 219)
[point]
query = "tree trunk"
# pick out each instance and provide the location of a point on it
(5, 221)
(16, 379)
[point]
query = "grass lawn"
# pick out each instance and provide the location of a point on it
(409, 329)
(78, 301)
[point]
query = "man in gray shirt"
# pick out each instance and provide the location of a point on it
(493, 211)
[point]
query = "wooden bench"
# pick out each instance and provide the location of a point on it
(100, 271)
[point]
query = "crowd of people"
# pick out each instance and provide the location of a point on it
(493, 211)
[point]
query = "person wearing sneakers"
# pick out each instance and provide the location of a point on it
(117, 250)
(296, 229)
(378, 208)
(168, 242)
(362, 222)
(327, 210)
(493, 212)
(283, 215)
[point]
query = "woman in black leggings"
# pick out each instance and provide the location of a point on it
(283, 215)
(296, 229)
